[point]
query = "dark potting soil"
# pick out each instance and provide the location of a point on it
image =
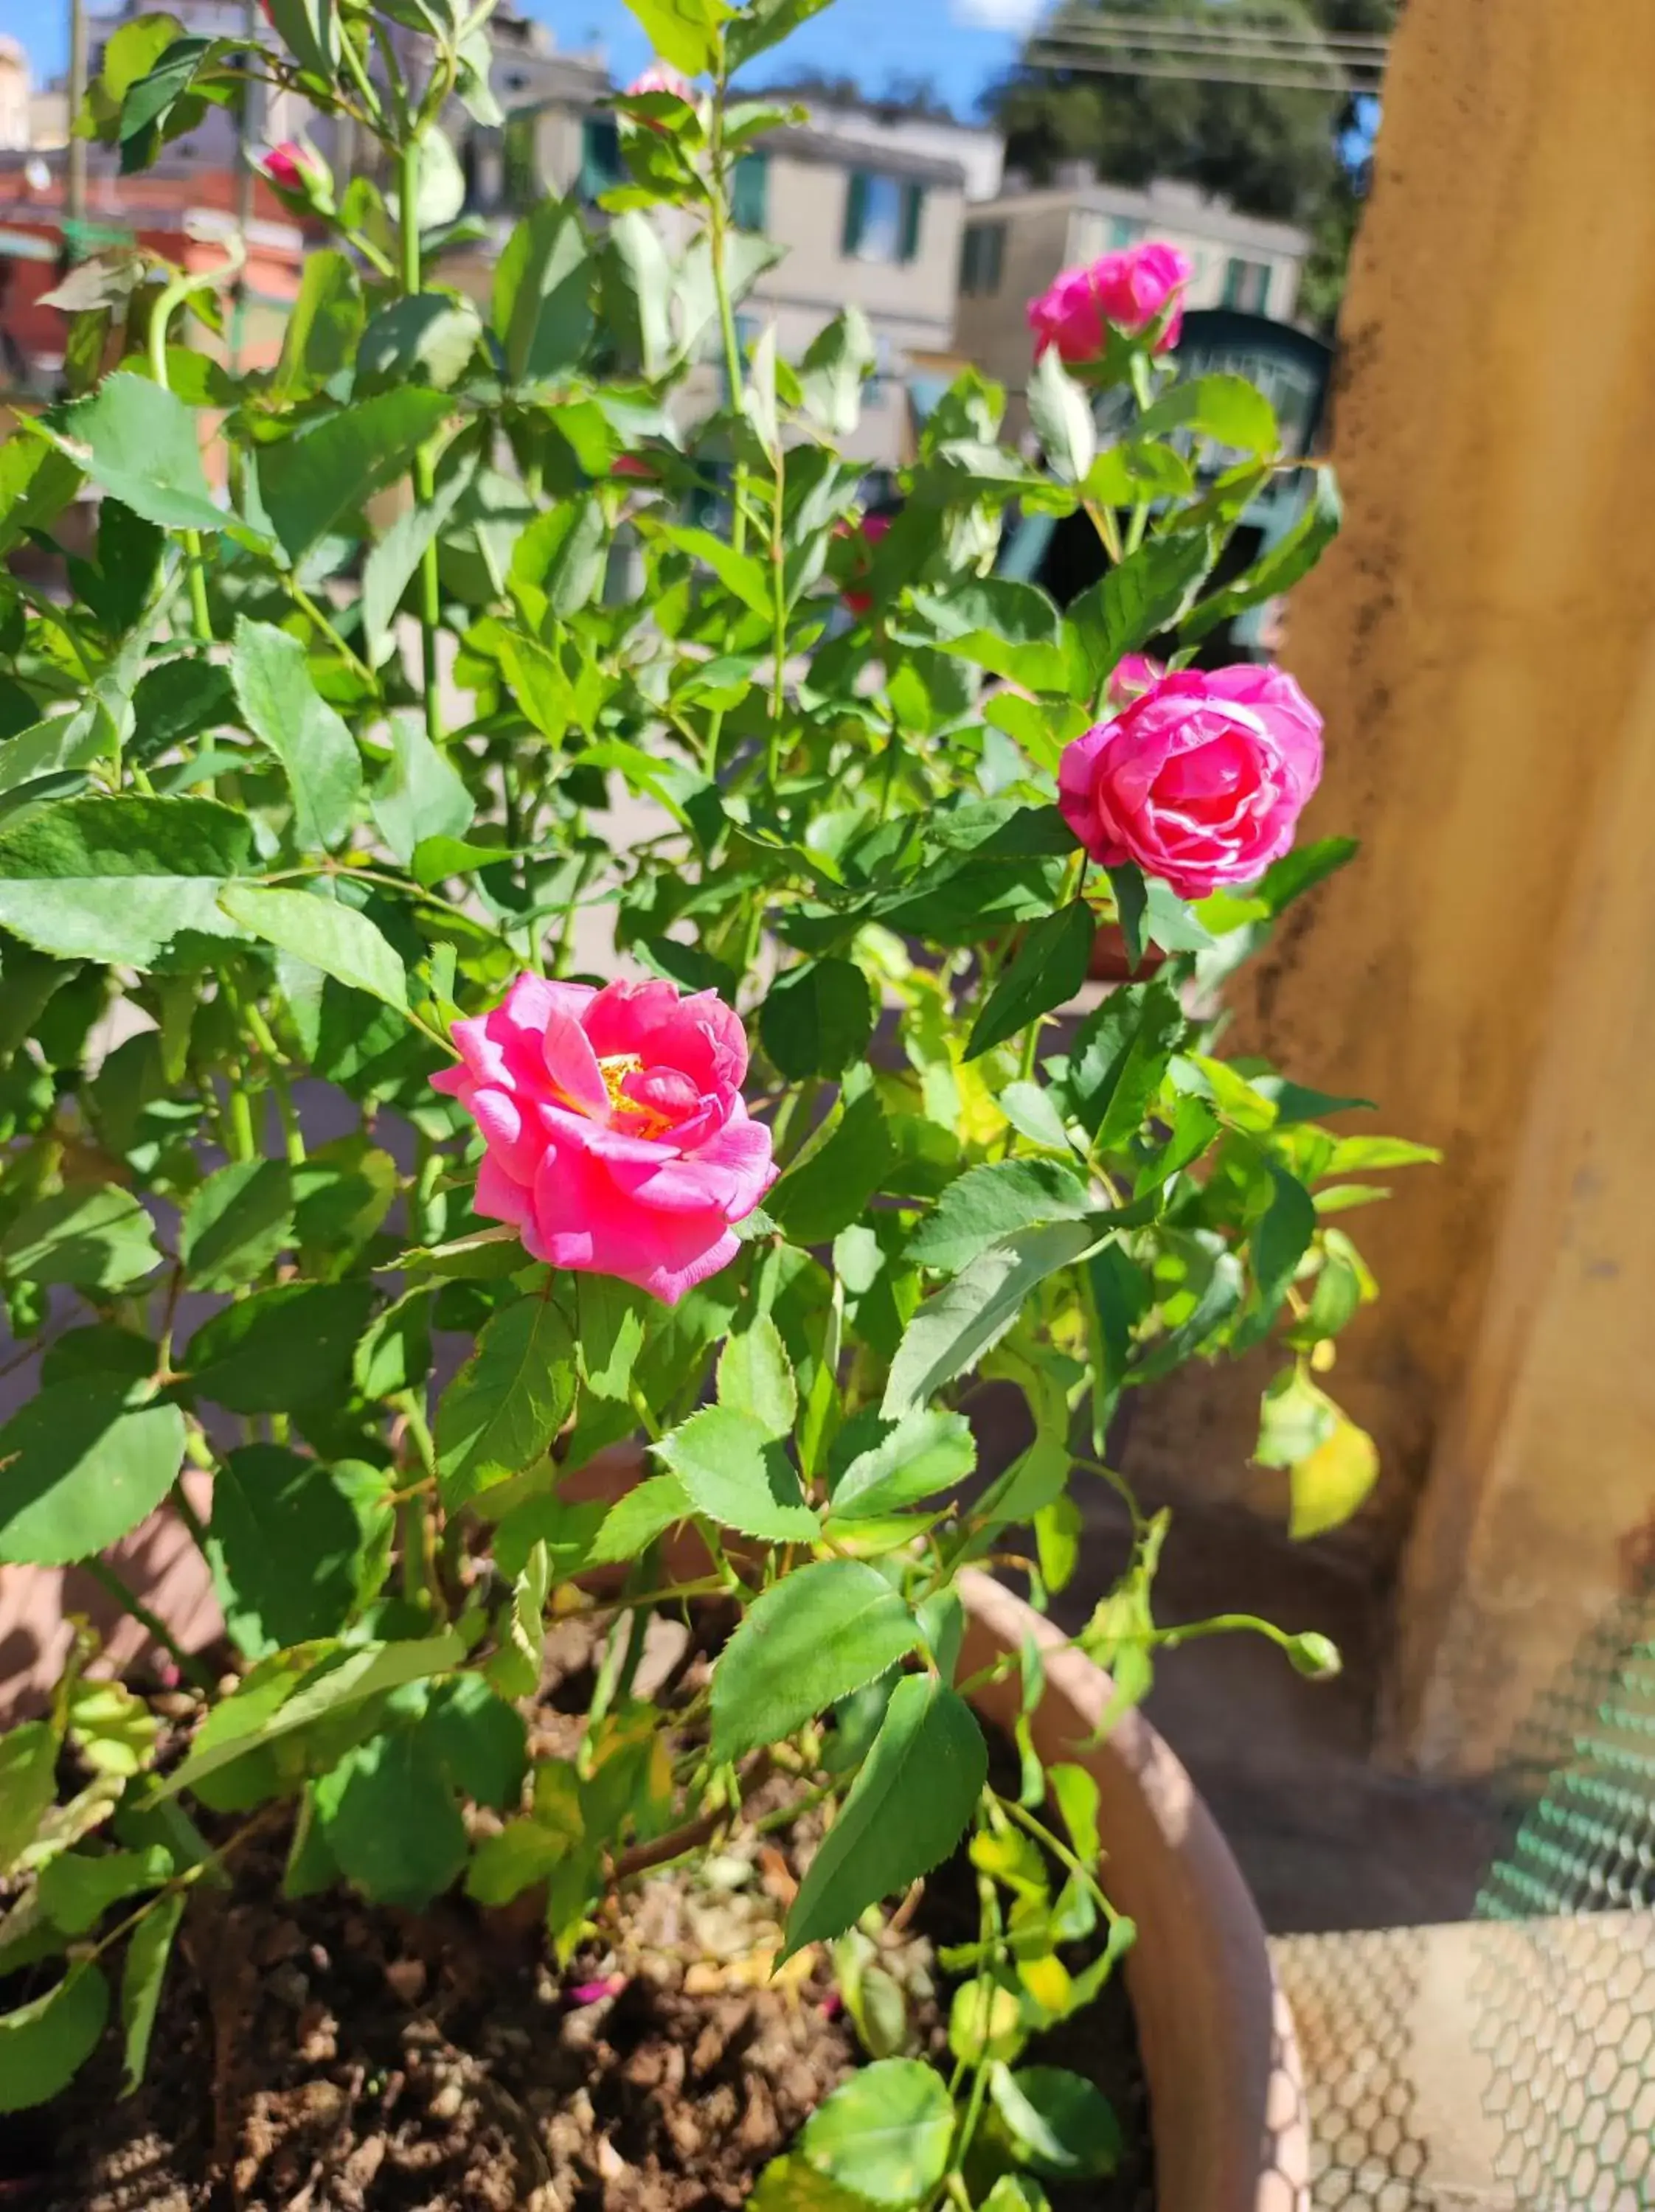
(322, 2055)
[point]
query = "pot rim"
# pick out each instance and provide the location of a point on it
(1227, 2111)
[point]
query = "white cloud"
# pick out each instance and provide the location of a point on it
(1017, 15)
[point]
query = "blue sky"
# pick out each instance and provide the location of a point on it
(959, 44)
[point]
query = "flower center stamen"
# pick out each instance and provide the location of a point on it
(615, 1067)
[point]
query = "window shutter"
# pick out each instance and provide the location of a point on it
(855, 212)
(913, 202)
(750, 200)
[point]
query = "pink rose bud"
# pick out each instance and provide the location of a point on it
(1131, 289)
(1201, 779)
(661, 76)
(589, 1993)
(285, 165)
(1136, 673)
(632, 464)
(617, 1143)
(866, 535)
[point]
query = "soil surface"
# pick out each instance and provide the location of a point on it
(322, 2055)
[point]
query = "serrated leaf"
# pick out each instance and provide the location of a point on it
(634, 1521)
(81, 1465)
(815, 1636)
(118, 880)
(830, 1187)
(1045, 973)
(1136, 600)
(507, 1402)
(926, 1451)
(290, 1539)
(885, 2133)
(142, 1973)
(910, 1803)
(514, 1670)
(283, 709)
(817, 1019)
(319, 479)
(1121, 1052)
(1059, 2123)
(1283, 1235)
(96, 1237)
(28, 1759)
(756, 1380)
(955, 1327)
(325, 934)
(542, 310)
(419, 794)
(741, 573)
(992, 1201)
(78, 1887)
(390, 1819)
(142, 444)
(236, 1224)
(44, 2044)
(283, 1347)
(738, 1476)
(268, 1709)
(1062, 414)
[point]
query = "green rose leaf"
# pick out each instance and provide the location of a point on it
(634, 1521)
(756, 1380)
(818, 1635)
(878, 1468)
(44, 2045)
(507, 1402)
(952, 1329)
(281, 1348)
(320, 931)
(28, 1759)
(148, 1949)
(78, 1887)
(1060, 2124)
(1120, 1052)
(739, 1476)
(292, 1543)
(1045, 972)
(142, 444)
(319, 478)
(908, 1808)
(1138, 599)
(119, 880)
(818, 1020)
(830, 1186)
(81, 1465)
(390, 1820)
(283, 709)
(992, 1201)
(419, 794)
(885, 2134)
(236, 1224)
(99, 1238)
(542, 305)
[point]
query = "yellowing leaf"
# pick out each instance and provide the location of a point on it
(1329, 1485)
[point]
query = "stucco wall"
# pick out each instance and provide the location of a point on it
(1481, 642)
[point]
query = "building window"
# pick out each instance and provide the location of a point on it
(1123, 231)
(1246, 284)
(600, 156)
(982, 251)
(749, 197)
(882, 217)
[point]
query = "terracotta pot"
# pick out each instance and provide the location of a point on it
(1227, 2099)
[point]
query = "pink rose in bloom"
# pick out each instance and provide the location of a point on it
(1133, 673)
(866, 535)
(285, 165)
(617, 1140)
(1131, 289)
(1201, 780)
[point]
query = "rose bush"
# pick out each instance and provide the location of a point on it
(306, 824)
